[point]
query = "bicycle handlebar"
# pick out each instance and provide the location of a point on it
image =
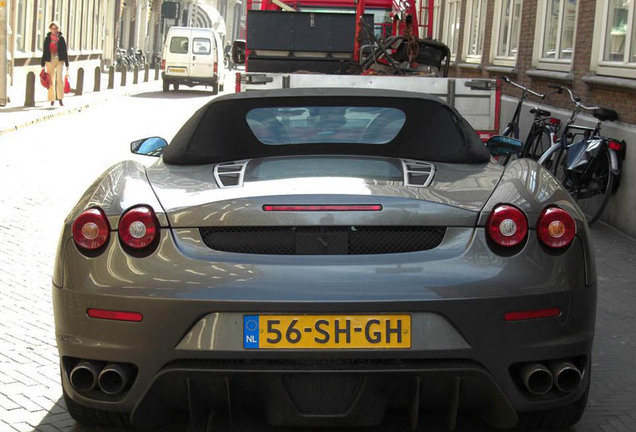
(519, 86)
(574, 98)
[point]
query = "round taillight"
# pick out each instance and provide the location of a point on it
(556, 228)
(138, 227)
(91, 229)
(507, 226)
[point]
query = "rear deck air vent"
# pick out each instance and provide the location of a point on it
(230, 174)
(322, 240)
(417, 173)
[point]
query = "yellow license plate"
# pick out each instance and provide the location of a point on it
(327, 331)
(177, 70)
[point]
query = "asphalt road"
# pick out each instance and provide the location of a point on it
(45, 168)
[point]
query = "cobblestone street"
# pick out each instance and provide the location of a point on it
(42, 177)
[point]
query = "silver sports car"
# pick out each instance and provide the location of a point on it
(325, 257)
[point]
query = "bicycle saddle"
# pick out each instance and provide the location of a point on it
(542, 113)
(605, 114)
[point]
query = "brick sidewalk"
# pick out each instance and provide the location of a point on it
(15, 115)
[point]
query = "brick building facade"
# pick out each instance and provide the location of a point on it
(587, 45)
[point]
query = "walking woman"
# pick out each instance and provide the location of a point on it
(55, 57)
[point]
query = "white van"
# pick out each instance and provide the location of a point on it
(192, 56)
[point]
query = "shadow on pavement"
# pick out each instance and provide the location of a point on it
(40, 106)
(395, 421)
(172, 94)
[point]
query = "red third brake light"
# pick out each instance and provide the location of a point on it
(317, 208)
(91, 229)
(507, 226)
(556, 228)
(138, 227)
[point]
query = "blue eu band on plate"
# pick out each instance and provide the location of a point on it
(327, 331)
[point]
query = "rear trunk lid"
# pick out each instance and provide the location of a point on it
(410, 193)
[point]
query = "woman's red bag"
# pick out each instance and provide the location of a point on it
(44, 79)
(67, 85)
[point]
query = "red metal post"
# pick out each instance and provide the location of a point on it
(237, 83)
(358, 36)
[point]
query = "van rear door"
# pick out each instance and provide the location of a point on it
(178, 56)
(203, 55)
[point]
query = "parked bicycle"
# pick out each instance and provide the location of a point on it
(121, 61)
(587, 163)
(544, 129)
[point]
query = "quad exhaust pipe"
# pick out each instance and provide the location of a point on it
(87, 375)
(83, 377)
(113, 379)
(567, 377)
(539, 379)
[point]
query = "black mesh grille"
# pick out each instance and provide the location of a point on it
(322, 240)
(323, 394)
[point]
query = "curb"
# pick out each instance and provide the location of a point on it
(73, 110)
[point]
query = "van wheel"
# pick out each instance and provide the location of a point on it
(166, 86)
(215, 88)
(176, 86)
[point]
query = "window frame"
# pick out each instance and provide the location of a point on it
(468, 30)
(561, 65)
(205, 39)
(458, 12)
(498, 10)
(611, 68)
(21, 27)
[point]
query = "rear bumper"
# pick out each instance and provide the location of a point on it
(331, 393)
(190, 81)
(461, 289)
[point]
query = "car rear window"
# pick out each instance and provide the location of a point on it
(201, 46)
(325, 124)
(179, 45)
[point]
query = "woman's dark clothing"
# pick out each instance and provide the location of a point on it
(61, 49)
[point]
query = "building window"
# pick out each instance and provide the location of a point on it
(436, 19)
(58, 15)
(616, 33)
(423, 19)
(556, 23)
(96, 15)
(450, 35)
(505, 34)
(614, 49)
(20, 26)
(475, 29)
(44, 19)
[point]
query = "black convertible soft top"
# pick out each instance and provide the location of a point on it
(433, 130)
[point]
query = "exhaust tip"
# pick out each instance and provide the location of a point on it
(567, 377)
(537, 378)
(113, 378)
(83, 377)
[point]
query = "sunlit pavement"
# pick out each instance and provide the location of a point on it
(45, 168)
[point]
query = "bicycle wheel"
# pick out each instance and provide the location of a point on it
(537, 145)
(595, 188)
